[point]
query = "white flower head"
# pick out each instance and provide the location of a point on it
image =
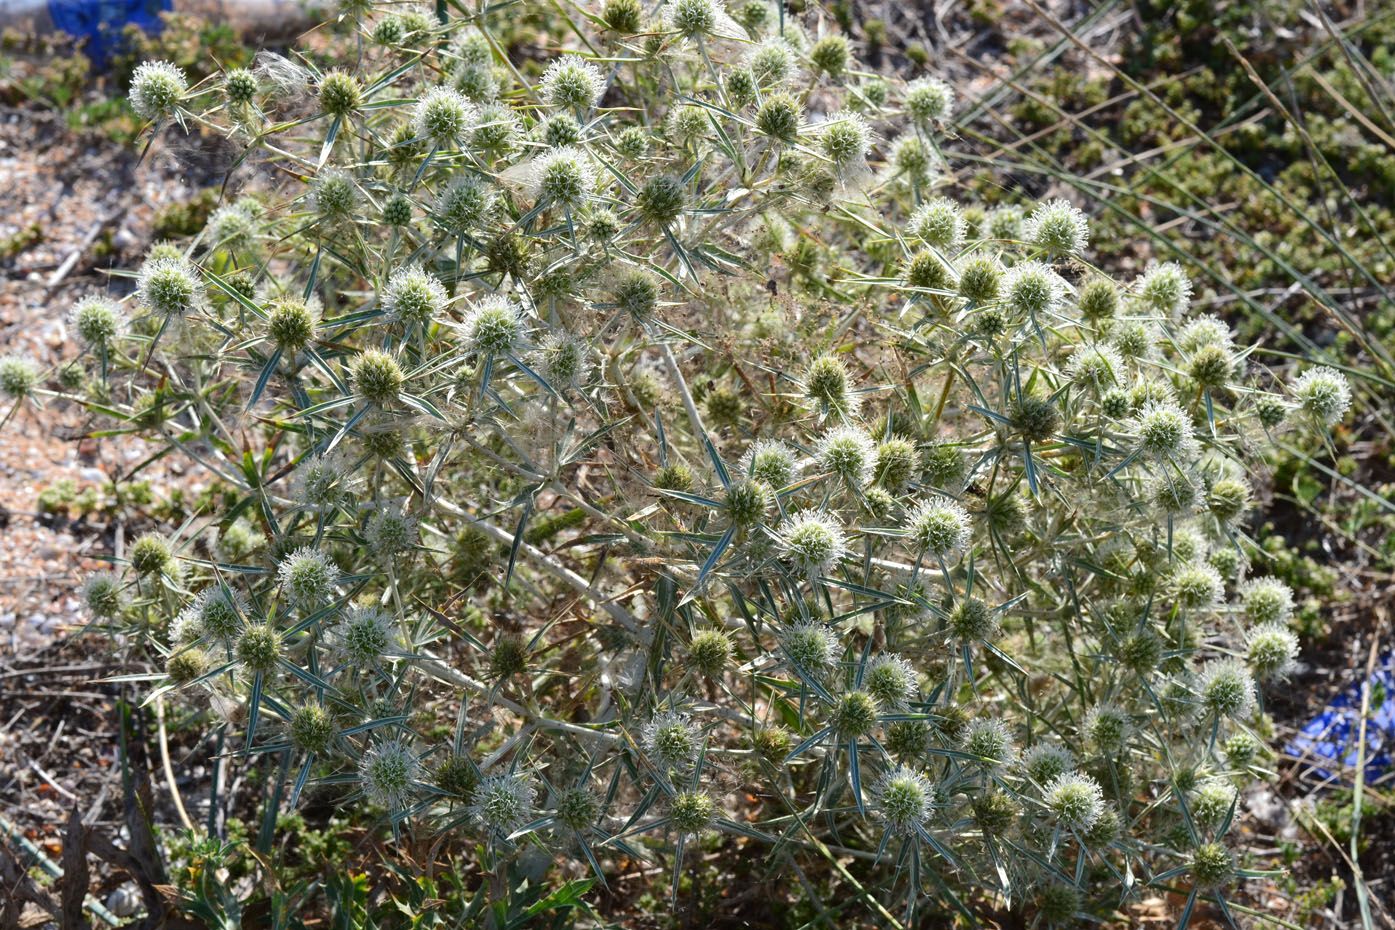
(572, 83)
(812, 541)
(904, 799)
(503, 803)
(388, 772)
(672, 739)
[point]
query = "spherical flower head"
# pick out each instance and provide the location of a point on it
(636, 293)
(995, 812)
(972, 620)
(1058, 228)
(1271, 411)
(1227, 690)
(845, 141)
(572, 83)
(494, 326)
(387, 773)
(258, 648)
(813, 542)
(929, 100)
(939, 527)
(220, 611)
(1141, 652)
(463, 205)
(1045, 762)
(904, 799)
(980, 279)
(169, 285)
(1098, 300)
(771, 62)
(709, 652)
(151, 555)
(578, 808)
(156, 86)
(1165, 290)
(1032, 289)
(1271, 649)
(633, 142)
(686, 124)
(1228, 499)
(1211, 367)
(849, 454)
(1006, 223)
(770, 461)
(563, 361)
(1323, 394)
(1035, 419)
(503, 803)
(1134, 339)
(320, 483)
(1174, 495)
(747, 502)
(340, 93)
(1197, 586)
(810, 645)
(414, 294)
(333, 195)
(1058, 903)
(186, 665)
(925, 269)
(1266, 600)
(854, 715)
(1211, 802)
(829, 385)
(1075, 801)
(1204, 331)
(907, 739)
(389, 31)
(890, 679)
(496, 129)
(671, 740)
(1107, 729)
(1212, 866)
(291, 323)
(19, 375)
(240, 85)
(1241, 749)
(1165, 431)
(913, 160)
(897, 462)
(989, 741)
(1096, 368)
(939, 222)
(443, 117)
(564, 177)
(312, 729)
(308, 577)
(364, 637)
(661, 199)
(377, 377)
(232, 226)
(831, 55)
(691, 811)
(693, 19)
(779, 117)
(104, 595)
(97, 321)
(623, 16)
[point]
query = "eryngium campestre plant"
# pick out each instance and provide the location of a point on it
(737, 428)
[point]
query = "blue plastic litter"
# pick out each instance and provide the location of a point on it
(101, 22)
(1333, 735)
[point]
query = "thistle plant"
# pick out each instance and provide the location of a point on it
(533, 392)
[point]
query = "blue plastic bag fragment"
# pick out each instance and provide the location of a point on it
(101, 22)
(1334, 734)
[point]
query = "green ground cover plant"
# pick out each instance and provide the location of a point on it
(674, 443)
